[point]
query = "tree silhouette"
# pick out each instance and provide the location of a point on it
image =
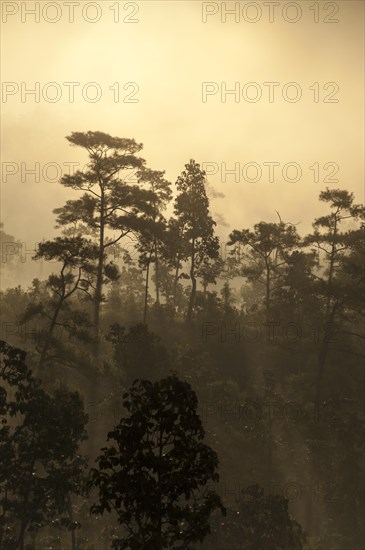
(192, 211)
(151, 237)
(154, 474)
(108, 203)
(262, 522)
(77, 257)
(39, 440)
(334, 246)
(266, 251)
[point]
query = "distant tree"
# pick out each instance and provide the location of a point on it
(152, 236)
(174, 251)
(40, 465)
(125, 298)
(138, 352)
(192, 212)
(267, 523)
(263, 255)
(153, 476)
(335, 248)
(76, 257)
(13, 303)
(209, 271)
(262, 522)
(10, 264)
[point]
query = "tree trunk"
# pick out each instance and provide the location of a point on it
(23, 527)
(2, 518)
(49, 334)
(331, 269)
(270, 445)
(193, 284)
(146, 289)
(159, 495)
(267, 291)
(176, 279)
(322, 356)
(99, 278)
(94, 390)
(329, 316)
(73, 532)
(156, 273)
(24, 519)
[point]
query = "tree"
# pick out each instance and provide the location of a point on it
(77, 257)
(10, 256)
(39, 440)
(139, 352)
(108, 204)
(174, 251)
(192, 211)
(151, 238)
(125, 299)
(333, 247)
(266, 251)
(261, 522)
(264, 257)
(267, 522)
(152, 477)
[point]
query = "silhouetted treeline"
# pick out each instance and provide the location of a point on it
(270, 340)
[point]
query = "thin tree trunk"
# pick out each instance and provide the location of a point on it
(331, 269)
(176, 279)
(270, 461)
(24, 519)
(193, 284)
(94, 391)
(23, 527)
(2, 518)
(329, 317)
(99, 278)
(267, 291)
(71, 515)
(157, 273)
(146, 289)
(267, 377)
(49, 334)
(159, 496)
(322, 356)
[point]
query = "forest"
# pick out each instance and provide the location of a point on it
(157, 393)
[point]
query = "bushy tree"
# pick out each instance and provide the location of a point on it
(40, 462)
(153, 475)
(262, 522)
(139, 352)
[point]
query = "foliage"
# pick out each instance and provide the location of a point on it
(39, 440)
(153, 474)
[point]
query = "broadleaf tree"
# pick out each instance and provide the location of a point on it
(154, 474)
(40, 464)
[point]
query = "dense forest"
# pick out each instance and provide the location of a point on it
(156, 393)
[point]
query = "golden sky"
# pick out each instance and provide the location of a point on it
(169, 52)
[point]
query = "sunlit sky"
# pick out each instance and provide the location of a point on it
(169, 53)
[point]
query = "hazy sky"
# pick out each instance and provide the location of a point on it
(169, 52)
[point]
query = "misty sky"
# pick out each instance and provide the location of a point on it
(169, 53)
